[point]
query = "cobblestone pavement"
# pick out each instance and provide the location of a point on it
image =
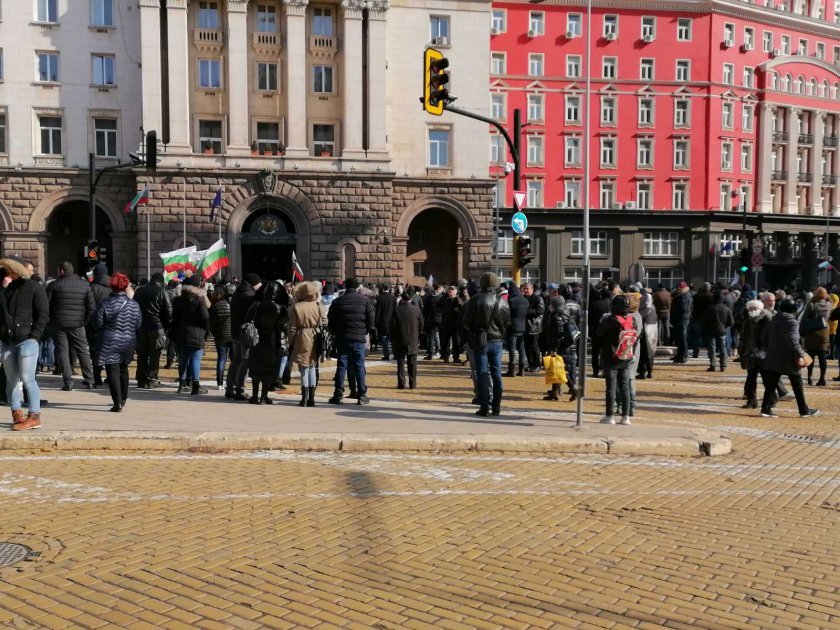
(328, 540)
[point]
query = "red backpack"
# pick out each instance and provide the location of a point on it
(627, 338)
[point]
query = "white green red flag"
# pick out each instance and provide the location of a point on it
(214, 260)
(177, 261)
(195, 260)
(297, 272)
(140, 197)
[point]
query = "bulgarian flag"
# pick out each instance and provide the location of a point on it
(214, 260)
(177, 260)
(297, 272)
(141, 197)
(195, 260)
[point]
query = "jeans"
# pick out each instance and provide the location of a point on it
(47, 359)
(308, 377)
(681, 339)
(150, 344)
(223, 351)
(75, 338)
(432, 339)
(516, 346)
(238, 369)
(618, 387)
(20, 361)
(717, 344)
(571, 370)
(411, 361)
(771, 381)
(117, 374)
(351, 354)
(532, 350)
(385, 342)
(488, 367)
(189, 364)
(664, 320)
(281, 366)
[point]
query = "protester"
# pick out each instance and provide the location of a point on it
(599, 308)
(433, 316)
(307, 316)
(243, 297)
(270, 321)
(190, 327)
(634, 303)
(220, 328)
(386, 302)
(716, 324)
(649, 340)
(662, 307)
(617, 342)
(406, 326)
(814, 325)
(751, 351)
(71, 304)
(681, 309)
(101, 288)
(449, 341)
(563, 335)
(156, 309)
(350, 319)
(519, 306)
(533, 327)
(117, 322)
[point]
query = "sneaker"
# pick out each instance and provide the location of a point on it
(769, 414)
(33, 421)
(221, 388)
(335, 400)
(607, 420)
(625, 420)
(363, 400)
(810, 413)
(788, 396)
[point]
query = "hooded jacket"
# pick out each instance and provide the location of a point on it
(561, 328)
(190, 318)
(781, 341)
(306, 316)
(100, 287)
(817, 340)
(518, 305)
(750, 341)
(682, 305)
(241, 301)
(24, 308)
(536, 312)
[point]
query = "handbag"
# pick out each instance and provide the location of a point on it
(249, 336)
(813, 324)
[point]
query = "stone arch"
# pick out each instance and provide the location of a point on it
(7, 223)
(466, 221)
(41, 214)
(346, 250)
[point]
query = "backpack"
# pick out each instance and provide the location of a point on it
(627, 338)
(249, 336)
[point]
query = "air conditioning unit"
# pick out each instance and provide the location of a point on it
(746, 47)
(561, 205)
(727, 164)
(611, 36)
(776, 52)
(441, 41)
(494, 31)
(571, 34)
(617, 206)
(728, 43)
(648, 38)
(630, 205)
(532, 33)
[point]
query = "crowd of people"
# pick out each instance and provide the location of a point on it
(101, 322)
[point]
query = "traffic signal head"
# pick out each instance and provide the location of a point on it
(151, 150)
(92, 253)
(525, 255)
(745, 260)
(435, 78)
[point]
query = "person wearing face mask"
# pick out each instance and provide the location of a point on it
(750, 347)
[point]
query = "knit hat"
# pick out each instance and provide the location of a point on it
(193, 281)
(488, 280)
(252, 279)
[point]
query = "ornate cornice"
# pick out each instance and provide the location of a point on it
(296, 7)
(176, 4)
(811, 61)
(352, 9)
(151, 4)
(237, 6)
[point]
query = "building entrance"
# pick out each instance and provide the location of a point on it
(69, 231)
(268, 240)
(432, 248)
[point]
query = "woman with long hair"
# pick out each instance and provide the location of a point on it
(190, 326)
(815, 322)
(220, 327)
(306, 317)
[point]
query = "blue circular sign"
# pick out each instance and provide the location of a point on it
(519, 222)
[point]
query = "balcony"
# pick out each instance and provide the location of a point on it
(829, 180)
(780, 136)
(208, 40)
(324, 46)
(830, 142)
(778, 176)
(266, 45)
(804, 178)
(805, 138)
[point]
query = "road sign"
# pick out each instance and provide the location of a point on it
(757, 269)
(637, 272)
(758, 245)
(519, 199)
(757, 259)
(519, 222)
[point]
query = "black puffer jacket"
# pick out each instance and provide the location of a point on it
(385, 305)
(241, 301)
(190, 318)
(479, 315)
(351, 316)
(271, 322)
(220, 321)
(24, 311)
(561, 328)
(71, 301)
(155, 305)
(536, 312)
(518, 305)
(101, 285)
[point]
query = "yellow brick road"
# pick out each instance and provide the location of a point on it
(285, 540)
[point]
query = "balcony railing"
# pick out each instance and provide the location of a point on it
(830, 142)
(829, 180)
(804, 178)
(208, 36)
(266, 40)
(323, 45)
(780, 136)
(778, 176)
(805, 138)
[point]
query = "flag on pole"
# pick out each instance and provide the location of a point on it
(826, 264)
(140, 197)
(726, 247)
(176, 260)
(217, 203)
(297, 272)
(431, 281)
(712, 250)
(215, 260)
(195, 260)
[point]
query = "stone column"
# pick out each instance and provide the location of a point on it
(150, 60)
(764, 157)
(818, 130)
(179, 77)
(296, 72)
(376, 78)
(792, 126)
(238, 71)
(353, 80)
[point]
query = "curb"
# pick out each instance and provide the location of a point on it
(70, 441)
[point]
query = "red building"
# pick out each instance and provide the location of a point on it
(698, 113)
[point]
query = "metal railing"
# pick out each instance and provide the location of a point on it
(778, 175)
(780, 136)
(805, 178)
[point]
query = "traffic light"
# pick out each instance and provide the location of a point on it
(746, 257)
(151, 150)
(525, 255)
(435, 78)
(92, 253)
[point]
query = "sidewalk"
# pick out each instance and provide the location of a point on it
(163, 420)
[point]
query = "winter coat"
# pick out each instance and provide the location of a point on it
(116, 322)
(536, 312)
(479, 315)
(155, 305)
(608, 330)
(451, 308)
(750, 341)
(597, 309)
(241, 301)
(701, 303)
(650, 329)
(682, 306)
(305, 318)
(432, 312)
(817, 340)
(385, 305)
(717, 319)
(832, 323)
(100, 288)
(662, 302)
(190, 319)
(351, 317)
(561, 331)
(782, 344)
(406, 324)
(71, 301)
(24, 308)
(270, 321)
(518, 305)
(220, 321)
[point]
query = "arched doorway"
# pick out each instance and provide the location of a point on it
(432, 248)
(268, 240)
(69, 230)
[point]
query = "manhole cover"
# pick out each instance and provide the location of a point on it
(12, 553)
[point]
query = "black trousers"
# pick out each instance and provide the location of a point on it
(532, 350)
(238, 369)
(771, 381)
(450, 345)
(117, 374)
(150, 344)
(75, 339)
(411, 360)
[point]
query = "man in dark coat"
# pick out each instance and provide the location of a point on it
(386, 302)
(518, 306)
(662, 304)
(101, 289)
(697, 329)
(71, 305)
(406, 324)
(245, 295)
(156, 309)
(718, 320)
(449, 341)
(533, 327)
(598, 307)
(432, 316)
(681, 307)
(350, 319)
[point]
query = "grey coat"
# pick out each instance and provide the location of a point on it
(781, 341)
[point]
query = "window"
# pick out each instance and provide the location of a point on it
(497, 149)
(749, 38)
(749, 77)
(102, 12)
(683, 70)
(820, 50)
(661, 243)
(645, 112)
(684, 29)
(746, 158)
(803, 47)
(498, 20)
(670, 278)
(105, 132)
(504, 244)
(726, 114)
(535, 193)
(535, 107)
(682, 110)
(572, 193)
(267, 77)
(644, 153)
(323, 142)
(210, 135)
(607, 194)
(322, 22)
(50, 127)
(322, 79)
(500, 195)
(728, 74)
(535, 65)
(536, 22)
(647, 70)
(785, 44)
(440, 29)
(609, 67)
(679, 196)
(572, 151)
(208, 15)
(438, 148)
(573, 109)
(497, 63)
(47, 11)
(729, 33)
(498, 109)
(767, 41)
(3, 148)
(597, 243)
(536, 151)
(104, 70)
(681, 154)
(747, 118)
(607, 110)
(209, 73)
(726, 156)
(644, 195)
(730, 244)
(266, 18)
(48, 70)
(608, 152)
(573, 24)
(648, 28)
(573, 66)
(610, 26)
(268, 137)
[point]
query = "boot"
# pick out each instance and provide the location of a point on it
(265, 400)
(18, 416)
(197, 389)
(336, 398)
(521, 371)
(711, 368)
(722, 365)
(751, 403)
(821, 382)
(573, 394)
(510, 372)
(182, 387)
(304, 393)
(310, 401)
(554, 394)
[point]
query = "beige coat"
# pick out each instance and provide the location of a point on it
(305, 317)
